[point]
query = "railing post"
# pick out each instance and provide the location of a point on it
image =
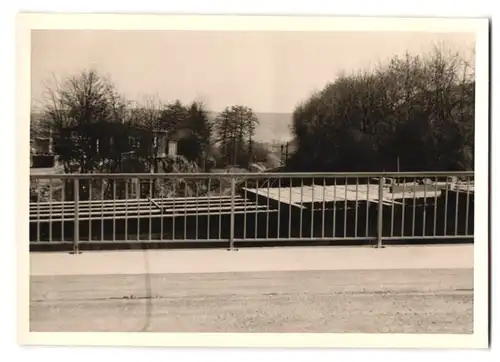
(231, 226)
(137, 182)
(76, 228)
(380, 212)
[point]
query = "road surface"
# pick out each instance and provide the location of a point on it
(423, 289)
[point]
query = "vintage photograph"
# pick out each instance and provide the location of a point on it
(252, 181)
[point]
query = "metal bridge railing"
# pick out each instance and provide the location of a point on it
(250, 207)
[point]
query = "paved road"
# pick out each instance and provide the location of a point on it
(365, 301)
(423, 289)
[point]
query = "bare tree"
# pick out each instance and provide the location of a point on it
(83, 112)
(86, 117)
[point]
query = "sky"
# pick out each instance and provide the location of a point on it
(271, 72)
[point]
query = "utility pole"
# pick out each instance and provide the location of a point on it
(398, 169)
(234, 151)
(250, 150)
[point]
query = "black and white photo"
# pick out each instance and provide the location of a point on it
(258, 179)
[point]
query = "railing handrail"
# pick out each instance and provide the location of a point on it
(200, 175)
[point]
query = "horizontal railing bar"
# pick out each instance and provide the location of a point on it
(133, 201)
(154, 215)
(132, 206)
(111, 211)
(260, 175)
(54, 242)
(319, 238)
(147, 241)
(428, 237)
(180, 208)
(135, 241)
(211, 240)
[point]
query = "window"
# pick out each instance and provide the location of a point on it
(172, 148)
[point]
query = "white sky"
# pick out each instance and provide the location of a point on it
(268, 71)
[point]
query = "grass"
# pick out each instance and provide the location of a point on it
(393, 301)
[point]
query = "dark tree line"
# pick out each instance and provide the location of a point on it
(414, 114)
(95, 129)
